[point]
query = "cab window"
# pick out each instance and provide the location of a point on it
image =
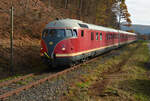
(56, 33)
(45, 33)
(69, 33)
(74, 33)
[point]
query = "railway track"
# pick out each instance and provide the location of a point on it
(15, 89)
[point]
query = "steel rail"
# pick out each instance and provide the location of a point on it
(33, 84)
(15, 80)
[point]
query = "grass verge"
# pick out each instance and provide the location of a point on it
(121, 78)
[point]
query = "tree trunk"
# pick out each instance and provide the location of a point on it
(66, 4)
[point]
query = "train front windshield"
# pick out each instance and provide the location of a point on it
(53, 33)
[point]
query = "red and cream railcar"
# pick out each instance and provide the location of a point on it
(68, 41)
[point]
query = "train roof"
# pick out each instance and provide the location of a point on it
(72, 23)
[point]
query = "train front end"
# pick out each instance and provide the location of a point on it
(55, 42)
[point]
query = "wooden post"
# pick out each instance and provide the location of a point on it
(11, 40)
(119, 29)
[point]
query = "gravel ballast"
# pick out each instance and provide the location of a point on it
(53, 89)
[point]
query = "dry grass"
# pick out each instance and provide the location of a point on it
(26, 57)
(130, 83)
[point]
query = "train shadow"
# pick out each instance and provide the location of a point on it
(52, 70)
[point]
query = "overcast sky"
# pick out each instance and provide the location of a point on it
(140, 11)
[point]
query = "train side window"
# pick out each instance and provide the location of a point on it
(101, 36)
(69, 33)
(82, 33)
(92, 36)
(75, 33)
(96, 36)
(108, 36)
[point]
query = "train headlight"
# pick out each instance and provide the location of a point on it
(63, 48)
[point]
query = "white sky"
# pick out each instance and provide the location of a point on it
(140, 11)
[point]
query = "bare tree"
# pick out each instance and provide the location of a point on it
(66, 4)
(79, 11)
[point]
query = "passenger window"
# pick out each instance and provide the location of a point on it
(69, 33)
(108, 36)
(82, 33)
(100, 36)
(96, 36)
(74, 33)
(92, 36)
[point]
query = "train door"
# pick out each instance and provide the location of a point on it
(101, 39)
(106, 38)
(92, 39)
(83, 40)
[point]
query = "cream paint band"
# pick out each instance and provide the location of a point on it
(87, 51)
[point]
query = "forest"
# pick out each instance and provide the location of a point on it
(30, 16)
